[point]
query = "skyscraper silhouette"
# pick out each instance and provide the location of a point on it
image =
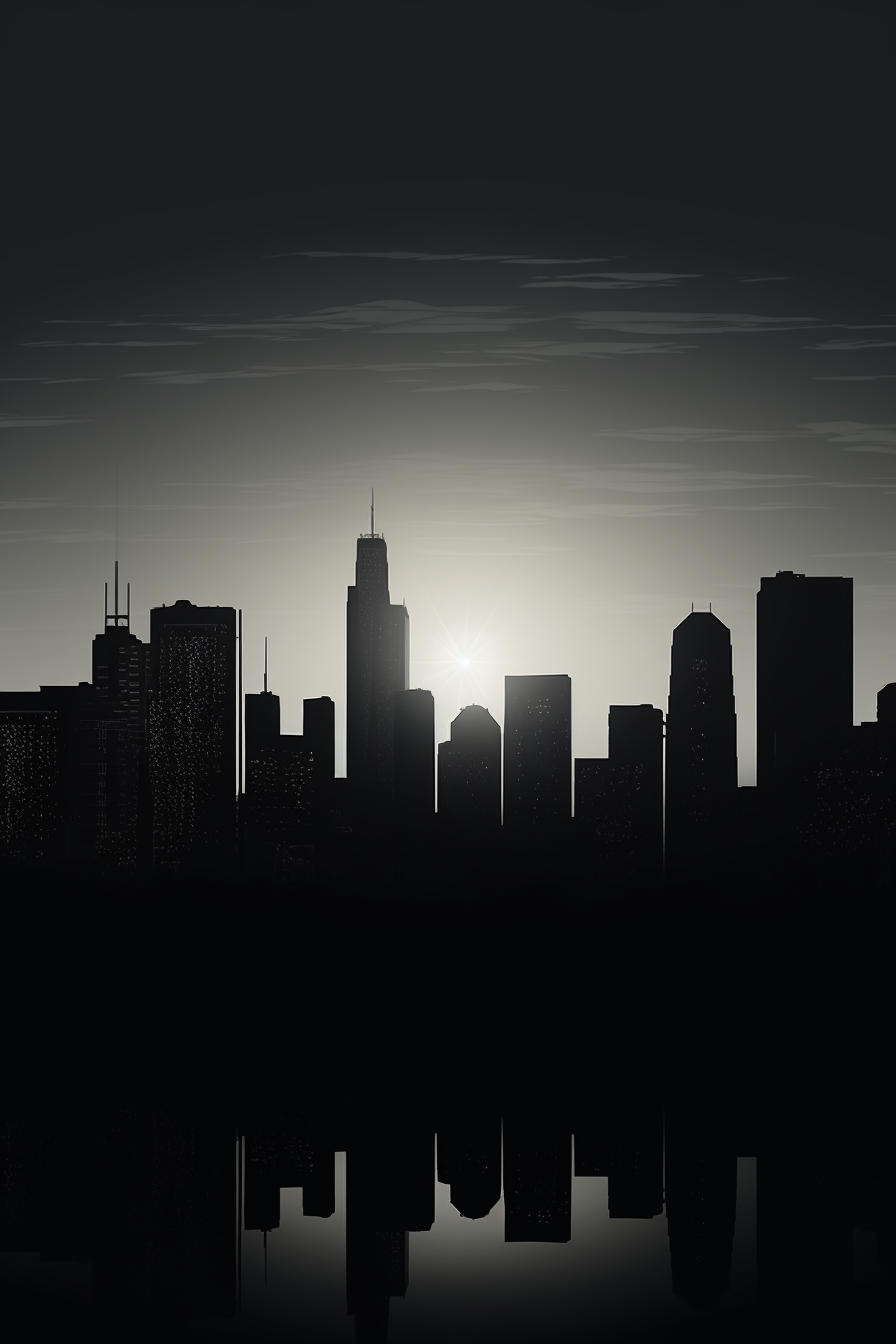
(193, 736)
(701, 745)
(415, 772)
(64, 753)
(619, 801)
(470, 773)
(804, 671)
(319, 732)
(537, 752)
(120, 667)
(377, 665)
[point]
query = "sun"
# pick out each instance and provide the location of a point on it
(465, 662)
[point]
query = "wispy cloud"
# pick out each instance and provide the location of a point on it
(129, 344)
(888, 556)
(674, 477)
(10, 421)
(540, 351)
(767, 508)
(760, 279)
(195, 377)
(690, 434)
(503, 258)
(851, 377)
(481, 387)
(856, 435)
(65, 536)
(42, 502)
(851, 345)
(686, 324)
(611, 280)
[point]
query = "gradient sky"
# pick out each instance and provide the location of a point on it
(581, 410)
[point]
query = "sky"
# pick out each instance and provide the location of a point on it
(590, 388)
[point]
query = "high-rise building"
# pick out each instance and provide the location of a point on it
(804, 671)
(470, 773)
(120, 667)
(319, 732)
(193, 736)
(537, 751)
(701, 745)
(63, 757)
(415, 766)
(377, 665)
(619, 801)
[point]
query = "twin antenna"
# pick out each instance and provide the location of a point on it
(116, 618)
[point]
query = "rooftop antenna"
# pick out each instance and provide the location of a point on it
(372, 531)
(265, 662)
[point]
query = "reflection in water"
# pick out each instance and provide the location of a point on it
(612, 1278)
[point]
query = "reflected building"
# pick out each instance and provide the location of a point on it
(193, 736)
(377, 665)
(537, 752)
(470, 773)
(701, 746)
(537, 1183)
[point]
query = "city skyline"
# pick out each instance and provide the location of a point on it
(603, 353)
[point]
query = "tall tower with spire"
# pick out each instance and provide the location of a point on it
(377, 648)
(119, 671)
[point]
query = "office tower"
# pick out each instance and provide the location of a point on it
(280, 789)
(537, 751)
(415, 766)
(886, 705)
(120, 662)
(470, 773)
(120, 666)
(701, 745)
(377, 665)
(63, 755)
(319, 732)
(804, 671)
(193, 736)
(262, 805)
(619, 801)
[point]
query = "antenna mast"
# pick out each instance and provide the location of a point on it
(265, 662)
(372, 530)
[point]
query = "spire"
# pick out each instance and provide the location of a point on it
(372, 528)
(116, 619)
(265, 662)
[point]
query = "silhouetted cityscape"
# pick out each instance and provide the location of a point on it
(141, 769)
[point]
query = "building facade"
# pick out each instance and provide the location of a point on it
(377, 665)
(193, 736)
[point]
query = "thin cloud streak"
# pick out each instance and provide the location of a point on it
(9, 421)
